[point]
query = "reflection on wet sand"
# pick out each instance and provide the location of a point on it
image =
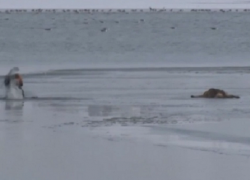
(95, 110)
(107, 110)
(11, 104)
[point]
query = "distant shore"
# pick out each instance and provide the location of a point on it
(160, 10)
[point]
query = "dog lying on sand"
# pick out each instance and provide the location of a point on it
(215, 93)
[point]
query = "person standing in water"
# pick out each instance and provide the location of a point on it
(13, 75)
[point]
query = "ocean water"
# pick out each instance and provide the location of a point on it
(121, 79)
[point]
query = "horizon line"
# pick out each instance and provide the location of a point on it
(163, 8)
(123, 10)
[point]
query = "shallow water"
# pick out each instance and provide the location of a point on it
(130, 84)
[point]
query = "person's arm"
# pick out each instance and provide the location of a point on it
(7, 80)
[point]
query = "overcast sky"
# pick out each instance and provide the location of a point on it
(122, 3)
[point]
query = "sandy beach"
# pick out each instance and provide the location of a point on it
(116, 104)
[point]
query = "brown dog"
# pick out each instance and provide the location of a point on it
(215, 93)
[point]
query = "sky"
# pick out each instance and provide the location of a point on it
(124, 4)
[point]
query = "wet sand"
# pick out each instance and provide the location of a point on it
(145, 129)
(71, 153)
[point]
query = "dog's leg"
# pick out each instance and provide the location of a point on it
(219, 95)
(232, 96)
(199, 96)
